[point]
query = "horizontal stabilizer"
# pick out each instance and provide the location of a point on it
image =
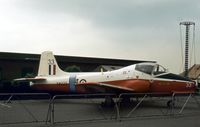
(29, 79)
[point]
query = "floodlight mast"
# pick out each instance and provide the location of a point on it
(187, 24)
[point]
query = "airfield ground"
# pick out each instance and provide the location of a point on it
(150, 112)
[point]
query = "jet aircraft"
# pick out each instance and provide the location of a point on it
(138, 78)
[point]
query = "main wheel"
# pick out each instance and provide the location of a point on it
(170, 104)
(109, 102)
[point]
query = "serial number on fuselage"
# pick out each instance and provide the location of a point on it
(77, 81)
(61, 83)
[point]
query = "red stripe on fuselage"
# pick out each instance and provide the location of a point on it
(172, 86)
(138, 85)
(58, 88)
(135, 84)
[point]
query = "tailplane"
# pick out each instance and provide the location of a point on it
(48, 65)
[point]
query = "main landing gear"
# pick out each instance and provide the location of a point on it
(170, 103)
(109, 102)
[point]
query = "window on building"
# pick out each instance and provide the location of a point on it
(1, 74)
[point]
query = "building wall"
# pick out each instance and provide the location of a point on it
(14, 69)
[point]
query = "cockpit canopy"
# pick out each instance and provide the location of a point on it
(150, 68)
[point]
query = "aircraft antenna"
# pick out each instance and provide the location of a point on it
(187, 24)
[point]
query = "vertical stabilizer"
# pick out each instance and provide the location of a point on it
(48, 65)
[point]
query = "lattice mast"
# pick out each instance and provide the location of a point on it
(187, 25)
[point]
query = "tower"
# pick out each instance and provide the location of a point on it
(187, 25)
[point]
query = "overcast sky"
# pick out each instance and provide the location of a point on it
(121, 29)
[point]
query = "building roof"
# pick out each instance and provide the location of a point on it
(71, 59)
(194, 71)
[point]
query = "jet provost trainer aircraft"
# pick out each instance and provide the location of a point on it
(137, 78)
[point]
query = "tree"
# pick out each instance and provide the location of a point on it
(29, 75)
(72, 68)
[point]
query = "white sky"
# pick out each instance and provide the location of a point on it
(121, 29)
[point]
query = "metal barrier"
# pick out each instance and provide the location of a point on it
(185, 99)
(155, 102)
(88, 103)
(176, 107)
(87, 107)
(19, 108)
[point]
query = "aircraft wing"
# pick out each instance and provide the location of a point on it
(106, 87)
(29, 79)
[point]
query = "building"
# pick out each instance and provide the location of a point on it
(17, 65)
(194, 73)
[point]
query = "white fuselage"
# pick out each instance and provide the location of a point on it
(128, 72)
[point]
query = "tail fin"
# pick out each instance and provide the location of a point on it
(48, 65)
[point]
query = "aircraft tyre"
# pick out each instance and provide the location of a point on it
(125, 101)
(170, 104)
(109, 102)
